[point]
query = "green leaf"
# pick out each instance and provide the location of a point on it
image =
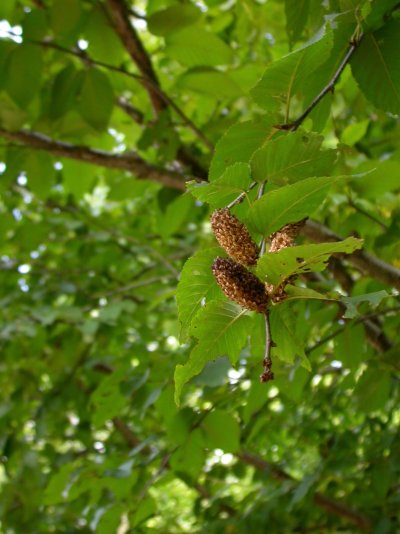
(350, 346)
(96, 99)
(104, 43)
(210, 82)
(196, 283)
(239, 143)
(379, 177)
(107, 400)
(277, 266)
(110, 520)
(222, 431)
(40, 172)
(194, 46)
(292, 157)
(283, 329)
(173, 18)
(222, 328)
(296, 12)
(355, 132)
(287, 204)
(376, 12)
(65, 16)
(176, 214)
(287, 76)
(23, 63)
(372, 390)
(190, 456)
(145, 509)
(352, 303)
(234, 181)
(64, 90)
(57, 484)
(77, 178)
(376, 67)
(6, 8)
(306, 293)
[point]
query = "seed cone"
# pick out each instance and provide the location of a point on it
(240, 285)
(285, 237)
(234, 237)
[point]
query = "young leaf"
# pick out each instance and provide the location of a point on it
(286, 76)
(376, 67)
(196, 283)
(278, 266)
(234, 181)
(352, 303)
(295, 292)
(291, 157)
(222, 328)
(239, 143)
(288, 204)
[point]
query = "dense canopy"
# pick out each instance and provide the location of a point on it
(130, 356)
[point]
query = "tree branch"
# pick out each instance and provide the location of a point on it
(365, 262)
(128, 161)
(131, 41)
(330, 505)
(127, 33)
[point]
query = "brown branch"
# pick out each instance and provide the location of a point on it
(367, 263)
(330, 505)
(127, 161)
(120, 18)
(130, 39)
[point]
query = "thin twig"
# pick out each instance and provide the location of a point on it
(260, 193)
(340, 330)
(366, 214)
(239, 199)
(292, 126)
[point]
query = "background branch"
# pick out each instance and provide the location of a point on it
(127, 161)
(365, 262)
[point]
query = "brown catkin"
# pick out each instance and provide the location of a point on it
(285, 237)
(240, 285)
(234, 237)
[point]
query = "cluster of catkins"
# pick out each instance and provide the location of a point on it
(235, 280)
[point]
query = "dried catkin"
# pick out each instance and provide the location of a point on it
(285, 237)
(234, 237)
(240, 285)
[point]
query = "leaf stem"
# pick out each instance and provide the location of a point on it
(267, 375)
